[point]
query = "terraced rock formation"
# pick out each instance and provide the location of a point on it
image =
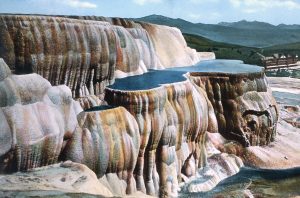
(86, 55)
(160, 128)
(173, 120)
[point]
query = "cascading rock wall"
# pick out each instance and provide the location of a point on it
(172, 120)
(157, 139)
(86, 55)
(106, 141)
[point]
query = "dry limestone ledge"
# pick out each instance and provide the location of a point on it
(66, 177)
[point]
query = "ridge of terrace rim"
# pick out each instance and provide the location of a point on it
(224, 74)
(49, 18)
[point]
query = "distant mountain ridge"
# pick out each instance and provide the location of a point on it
(246, 33)
(248, 25)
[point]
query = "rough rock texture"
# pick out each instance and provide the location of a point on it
(86, 55)
(280, 154)
(158, 138)
(67, 177)
(172, 120)
(106, 141)
(168, 42)
(283, 153)
(35, 119)
(90, 101)
(244, 106)
(219, 167)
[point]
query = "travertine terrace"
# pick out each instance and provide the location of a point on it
(153, 134)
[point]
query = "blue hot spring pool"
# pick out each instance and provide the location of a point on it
(155, 78)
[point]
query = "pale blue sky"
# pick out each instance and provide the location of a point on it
(204, 11)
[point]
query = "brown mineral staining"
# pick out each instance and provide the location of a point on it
(244, 106)
(173, 120)
(84, 54)
(148, 140)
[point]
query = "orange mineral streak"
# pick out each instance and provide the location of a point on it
(172, 120)
(87, 55)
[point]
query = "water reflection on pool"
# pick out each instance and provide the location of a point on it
(155, 78)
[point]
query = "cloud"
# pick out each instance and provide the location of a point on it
(206, 17)
(143, 2)
(252, 6)
(235, 3)
(204, 1)
(195, 16)
(79, 4)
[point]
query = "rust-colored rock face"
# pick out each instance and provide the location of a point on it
(81, 54)
(86, 55)
(244, 106)
(172, 120)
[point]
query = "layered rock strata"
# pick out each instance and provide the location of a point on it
(282, 153)
(86, 55)
(168, 42)
(157, 139)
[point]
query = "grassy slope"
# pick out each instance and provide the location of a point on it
(224, 50)
(292, 48)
